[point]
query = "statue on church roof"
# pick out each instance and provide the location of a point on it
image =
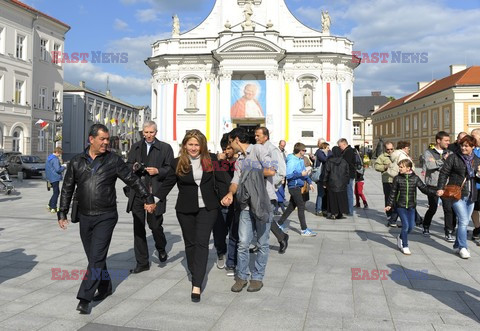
(176, 26)
(248, 25)
(326, 21)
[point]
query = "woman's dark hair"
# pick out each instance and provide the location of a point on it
(402, 144)
(93, 132)
(224, 142)
(472, 142)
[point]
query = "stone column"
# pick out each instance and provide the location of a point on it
(224, 121)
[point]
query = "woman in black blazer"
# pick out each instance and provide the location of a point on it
(200, 190)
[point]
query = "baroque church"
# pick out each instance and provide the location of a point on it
(252, 63)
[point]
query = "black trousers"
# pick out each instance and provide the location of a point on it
(449, 218)
(140, 235)
(391, 214)
(196, 229)
(96, 234)
(296, 200)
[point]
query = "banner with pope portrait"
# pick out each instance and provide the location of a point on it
(248, 99)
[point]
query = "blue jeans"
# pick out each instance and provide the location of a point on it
(248, 224)
(320, 194)
(407, 216)
(463, 209)
(54, 199)
(350, 196)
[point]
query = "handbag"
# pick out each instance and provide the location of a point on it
(316, 172)
(304, 188)
(453, 191)
(74, 217)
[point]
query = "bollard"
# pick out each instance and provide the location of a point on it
(20, 176)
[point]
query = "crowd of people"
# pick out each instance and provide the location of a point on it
(237, 195)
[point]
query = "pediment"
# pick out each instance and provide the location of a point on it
(249, 45)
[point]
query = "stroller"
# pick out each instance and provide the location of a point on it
(5, 182)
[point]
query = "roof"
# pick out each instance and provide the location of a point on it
(27, 7)
(364, 105)
(67, 87)
(467, 77)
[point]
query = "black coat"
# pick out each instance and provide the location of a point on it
(404, 191)
(348, 155)
(455, 171)
(187, 201)
(160, 157)
(336, 176)
(95, 184)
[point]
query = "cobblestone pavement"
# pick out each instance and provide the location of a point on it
(310, 287)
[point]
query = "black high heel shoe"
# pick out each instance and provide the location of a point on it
(195, 296)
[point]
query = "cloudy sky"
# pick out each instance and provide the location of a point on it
(448, 31)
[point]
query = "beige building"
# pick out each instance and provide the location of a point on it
(30, 82)
(451, 104)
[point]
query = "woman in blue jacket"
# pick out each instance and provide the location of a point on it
(297, 175)
(53, 172)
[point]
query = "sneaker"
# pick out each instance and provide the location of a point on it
(230, 271)
(221, 261)
(392, 224)
(426, 232)
(255, 286)
(399, 242)
(239, 285)
(283, 227)
(365, 205)
(464, 253)
(53, 210)
(476, 234)
(449, 238)
(308, 233)
(406, 251)
(399, 224)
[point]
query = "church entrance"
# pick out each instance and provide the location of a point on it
(250, 128)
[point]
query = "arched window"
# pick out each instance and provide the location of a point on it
(17, 141)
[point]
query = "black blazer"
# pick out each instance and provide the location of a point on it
(160, 157)
(187, 201)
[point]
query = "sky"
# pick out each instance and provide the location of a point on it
(447, 31)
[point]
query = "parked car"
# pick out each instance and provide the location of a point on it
(30, 165)
(5, 155)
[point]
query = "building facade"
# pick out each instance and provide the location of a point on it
(451, 104)
(253, 63)
(84, 107)
(363, 108)
(30, 82)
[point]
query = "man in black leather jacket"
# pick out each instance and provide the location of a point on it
(94, 173)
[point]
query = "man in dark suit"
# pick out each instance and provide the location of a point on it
(150, 159)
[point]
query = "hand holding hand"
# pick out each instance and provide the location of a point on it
(440, 193)
(63, 224)
(387, 208)
(152, 171)
(150, 208)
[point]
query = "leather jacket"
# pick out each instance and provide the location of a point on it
(95, 184)
(404, 191)
(455, 171)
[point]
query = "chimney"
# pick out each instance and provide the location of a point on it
(376, 93)
(82, 84)
(454, 68)
(421, 85)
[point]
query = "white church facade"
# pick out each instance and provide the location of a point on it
(252, 63)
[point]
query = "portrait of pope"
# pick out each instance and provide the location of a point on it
(247, 106)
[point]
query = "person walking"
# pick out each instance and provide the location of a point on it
(404, 195)
(335, 181)
(53, 172)
(297, 177)
(462, 169)
(93, 174)
(150, 160)
(382, 164)
(199, 190)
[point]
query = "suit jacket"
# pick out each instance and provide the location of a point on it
(160, 157)
(187, 201)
